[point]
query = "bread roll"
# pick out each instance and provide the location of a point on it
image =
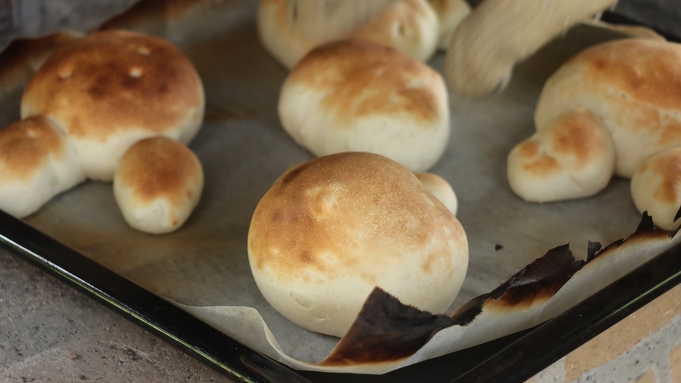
(113, 88)
(158, 184)
(449, 13)
(441, 189)
(572, 157)
(37, 162)
(407, 25)
(354, 95)
(655, 188)
(632, 85)
(331, 229)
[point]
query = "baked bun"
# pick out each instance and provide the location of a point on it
(157, 184)
(441, 189)
(449, 13)
(572, 157)
(331, 229)
(655, 188)
(407, 25)
(632, 85)
(111, 89)
(354, 95)
(37, 162)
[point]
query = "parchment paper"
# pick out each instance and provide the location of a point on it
(243, 149)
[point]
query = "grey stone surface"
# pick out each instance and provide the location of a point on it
(50, 332)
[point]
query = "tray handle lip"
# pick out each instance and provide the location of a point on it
(140, 306)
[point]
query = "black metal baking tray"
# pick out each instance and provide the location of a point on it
(514, 358)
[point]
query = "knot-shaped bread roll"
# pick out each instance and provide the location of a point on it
(328, 231)
(572, 157)
(111, 89)
(632, 87)
(410, 26)
(355, 95)
(37, 162)
(157, 184)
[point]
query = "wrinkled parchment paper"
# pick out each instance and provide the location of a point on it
(203, 267)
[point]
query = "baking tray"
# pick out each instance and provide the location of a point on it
(49, 238)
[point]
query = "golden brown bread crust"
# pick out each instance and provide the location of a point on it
(633, 85)
(577, 136)
(25, 145)
(159, 167)
(309, 214)
(572, 157)
(115, 81)
(350, 71)
(645, 69)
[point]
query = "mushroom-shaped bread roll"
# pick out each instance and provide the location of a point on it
(410, 26)
(111, 89)
(37, 162)
(157, 184)
(354, 95)
(328, 231)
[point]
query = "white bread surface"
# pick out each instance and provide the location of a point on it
(111, 89)
(449, 13)
(157, 184)
(328, 231)
(441, 189)
(632, 85)
(354, 95)
(655, 188)
(572, 157)
(500, 33)
(410, 26)
(37, 162)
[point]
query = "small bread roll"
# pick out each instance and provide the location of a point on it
(573, 157)
(110, 89)
(331, 229)
(655, 188)
(441, 189)
(158, 184)
(354, 95)
(37, 162)
(449, 13)
(633, 86)
(410, 26)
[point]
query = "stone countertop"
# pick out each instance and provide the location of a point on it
(49, 332)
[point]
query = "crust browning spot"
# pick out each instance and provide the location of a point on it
(25, 145)
(361, 79)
